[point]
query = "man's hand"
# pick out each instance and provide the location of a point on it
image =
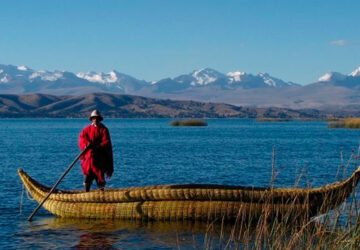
(93, 145)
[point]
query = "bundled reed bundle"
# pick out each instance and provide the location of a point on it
(192, 201)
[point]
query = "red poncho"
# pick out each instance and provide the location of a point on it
(100, 158)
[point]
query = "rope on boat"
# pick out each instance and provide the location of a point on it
(29, 196)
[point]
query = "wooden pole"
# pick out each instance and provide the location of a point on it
(57, 183)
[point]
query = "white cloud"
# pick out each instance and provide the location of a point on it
(339, 43)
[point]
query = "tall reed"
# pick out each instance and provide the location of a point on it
(334, 229)
(328, 231)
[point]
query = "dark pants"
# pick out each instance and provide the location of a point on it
(89, 179)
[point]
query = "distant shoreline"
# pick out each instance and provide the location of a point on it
(129, 106)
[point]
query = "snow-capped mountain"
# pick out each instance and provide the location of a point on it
(114, 79)
(332, 77)
(237, 76)
(200, 77)
(9, 73)
(355, 73)
(119, 82)
(208, 77)
(46, 75)
(205, 76)
(21, 79)
(235, 87)
(98, 77)
(260, 80)
(352, 80)
(4, 78)
(338, 77)
(275, 82)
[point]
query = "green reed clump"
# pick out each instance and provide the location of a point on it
(189, 122)
(353, 123)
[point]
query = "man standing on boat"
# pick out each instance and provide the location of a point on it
(98, 160)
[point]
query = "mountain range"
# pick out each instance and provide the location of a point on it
(127, 106)
(333, 90)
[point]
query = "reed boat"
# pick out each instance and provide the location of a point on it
(192, 201)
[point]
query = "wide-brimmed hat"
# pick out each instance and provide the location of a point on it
(96, 113)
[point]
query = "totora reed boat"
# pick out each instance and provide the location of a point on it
(193, 201)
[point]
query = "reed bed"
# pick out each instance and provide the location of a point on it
(335, 229)
(339, 228)
(331, 231)
(353, 123)
(189, 122)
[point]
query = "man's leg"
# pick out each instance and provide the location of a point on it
(87, 186)
(101, 185)
(88, 181)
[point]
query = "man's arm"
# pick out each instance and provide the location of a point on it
(83, 139)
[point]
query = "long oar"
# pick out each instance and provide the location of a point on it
(57, 183)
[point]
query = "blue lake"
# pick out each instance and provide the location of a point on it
(149, 152)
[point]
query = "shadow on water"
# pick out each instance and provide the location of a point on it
(109, 234)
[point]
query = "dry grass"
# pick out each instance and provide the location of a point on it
(353, 123)
(335, 229)
(189, 122)
(327, 232)
(332, 230)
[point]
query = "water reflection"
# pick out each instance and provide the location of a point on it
(95, 240)
(105, 234)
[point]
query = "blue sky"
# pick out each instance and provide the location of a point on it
(152, 39)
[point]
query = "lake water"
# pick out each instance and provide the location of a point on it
(149, 152)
